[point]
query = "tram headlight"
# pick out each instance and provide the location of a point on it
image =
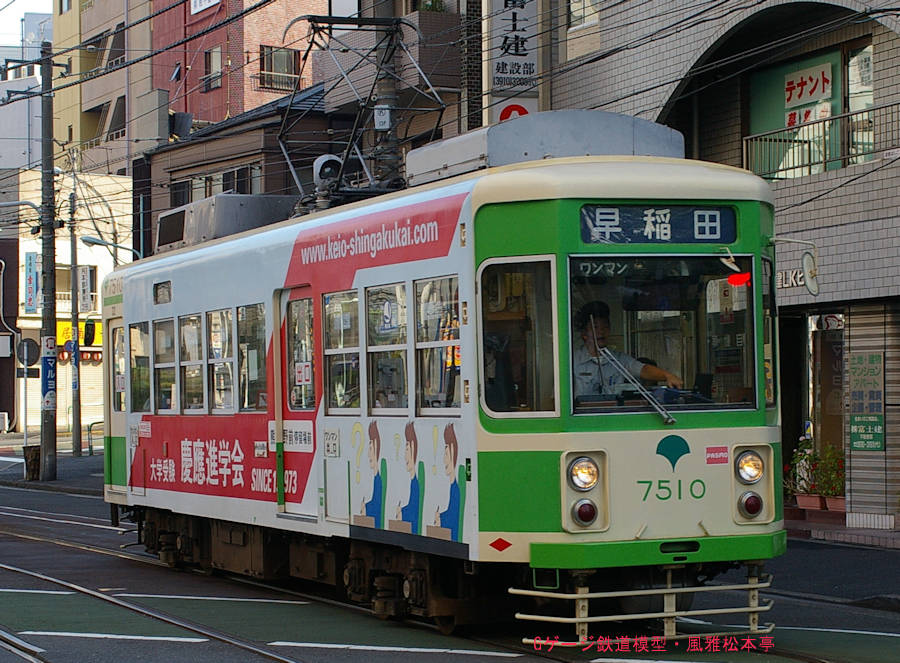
(583, 473)
(749, 467)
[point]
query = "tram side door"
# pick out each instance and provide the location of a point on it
(300, 470)
(117, 445)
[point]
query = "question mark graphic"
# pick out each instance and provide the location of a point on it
(398, 442)
(357, 437)
(434, 435)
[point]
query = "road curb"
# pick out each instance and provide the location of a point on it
(50, 487)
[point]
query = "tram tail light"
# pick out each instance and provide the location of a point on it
(750, 504)
(584, 512)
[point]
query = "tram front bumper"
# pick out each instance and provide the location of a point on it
(651, 553)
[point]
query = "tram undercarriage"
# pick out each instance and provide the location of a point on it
(398, 583)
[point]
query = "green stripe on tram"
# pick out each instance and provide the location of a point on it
(649, 553)
(115, 461)
(519, 492)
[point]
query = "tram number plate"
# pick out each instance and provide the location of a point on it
(672, 489)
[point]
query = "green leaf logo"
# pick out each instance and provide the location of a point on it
(672, 448)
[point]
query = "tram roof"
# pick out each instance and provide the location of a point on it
(591, 177)
(619, 177)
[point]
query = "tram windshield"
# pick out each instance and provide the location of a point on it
(680, 327)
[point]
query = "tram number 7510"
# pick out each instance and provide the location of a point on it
(667, 489)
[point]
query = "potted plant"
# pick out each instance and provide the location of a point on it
(830, 475)
(800, 476)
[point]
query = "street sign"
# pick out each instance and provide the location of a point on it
(28, 352)
(28, 373)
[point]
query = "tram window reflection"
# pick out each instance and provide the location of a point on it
(438, 351)
(517, 303)
(341, 323)
(386, 326)
(693, 315)
(251, 324)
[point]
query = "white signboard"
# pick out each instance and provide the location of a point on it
(511, 61)
(85, 303)
(198, 6)
(808, 85)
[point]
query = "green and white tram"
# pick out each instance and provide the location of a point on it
(545, 383)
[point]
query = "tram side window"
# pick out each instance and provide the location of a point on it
(220, 353)
(517, 303)
(342, 350)
(251, 324)
(300, 355)
(438, 352)
(191, 361)
(164, 364)
(139, 340)
(386, 344)
(118, 370)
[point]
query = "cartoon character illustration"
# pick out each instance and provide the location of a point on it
(374, 506)
(412, 512)
(449, 518)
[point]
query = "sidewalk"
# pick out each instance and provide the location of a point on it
(84, 476)
(79, 476)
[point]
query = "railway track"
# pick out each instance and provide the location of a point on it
(499, 640)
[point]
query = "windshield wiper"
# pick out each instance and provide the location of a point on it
(667, 418)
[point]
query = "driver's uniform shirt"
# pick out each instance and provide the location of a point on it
(597, 375)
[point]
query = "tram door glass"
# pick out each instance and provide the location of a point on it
(302, 394)
(518, 349)
(139, 341)
(438, 352)
(118, 370)
(692, 316)
(251, 326)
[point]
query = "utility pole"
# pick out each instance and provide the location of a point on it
(387, 154)
(48, 273)
(76, 354)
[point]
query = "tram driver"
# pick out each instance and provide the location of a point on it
(593, 373)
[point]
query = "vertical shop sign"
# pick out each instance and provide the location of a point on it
(511, 62)
(866, 376)
(31, 282)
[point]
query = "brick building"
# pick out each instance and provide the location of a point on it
(234, 68)
(804, 94)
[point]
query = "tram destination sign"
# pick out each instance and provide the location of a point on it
(649, 224)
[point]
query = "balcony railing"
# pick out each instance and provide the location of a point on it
(276, 80)
(826, 144)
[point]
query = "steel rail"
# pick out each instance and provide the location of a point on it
(20, 648)
(155, 614)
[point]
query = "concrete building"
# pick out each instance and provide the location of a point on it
(105, 107)
(804, 94)
(104, 211)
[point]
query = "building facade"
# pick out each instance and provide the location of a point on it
(105, 106)
(252, 59)
(804, 94)
(103, 210)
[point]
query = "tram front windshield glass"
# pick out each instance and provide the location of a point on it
(689, 318)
